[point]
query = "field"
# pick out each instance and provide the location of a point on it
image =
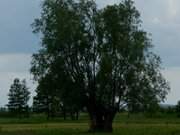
(134, 125)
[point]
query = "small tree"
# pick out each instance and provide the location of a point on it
(18, 98)
(47, 99)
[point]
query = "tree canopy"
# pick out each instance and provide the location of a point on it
(98, 58)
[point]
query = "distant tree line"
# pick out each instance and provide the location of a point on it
(19, 96)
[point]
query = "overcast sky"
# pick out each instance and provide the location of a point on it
(161, 18)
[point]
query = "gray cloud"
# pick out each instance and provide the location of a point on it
(11, 67)
(161, 18)
(15, 62)
(6, 79)
(173, 76)
(16, 17)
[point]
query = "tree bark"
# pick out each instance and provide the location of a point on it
(64, 114)
(77, 115)
(101, 120)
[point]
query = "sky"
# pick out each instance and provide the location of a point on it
(161, 18)
(17, 43)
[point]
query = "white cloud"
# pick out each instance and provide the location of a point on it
(156, 20)
(103, 3)
(160, 17)
(14, 66)
(6, 79)
(172, 8)
(165, 10)
(15, 62)
(173, 76)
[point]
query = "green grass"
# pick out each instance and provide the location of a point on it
(80, 129)
(135, 125)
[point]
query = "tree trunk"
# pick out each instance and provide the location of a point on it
(77, 115)
(64, 114)
(72, 115)
(102, 121)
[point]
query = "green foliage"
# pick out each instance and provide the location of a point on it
(97, 58)
(18, 98)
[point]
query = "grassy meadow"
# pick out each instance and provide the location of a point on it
(123, 125)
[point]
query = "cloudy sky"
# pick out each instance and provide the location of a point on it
(17, 43)
(161, 18)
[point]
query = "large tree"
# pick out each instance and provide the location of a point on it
(101, 55)
(18, 98)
